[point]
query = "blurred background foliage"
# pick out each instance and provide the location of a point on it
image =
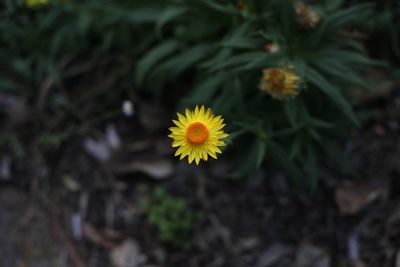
(74, 62)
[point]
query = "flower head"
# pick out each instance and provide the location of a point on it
(198, 134)
(35, 3)
(306, 16)
(280, 83)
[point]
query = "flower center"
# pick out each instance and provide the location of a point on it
(277, 79)
(197, 133)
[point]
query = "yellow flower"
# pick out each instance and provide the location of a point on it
(198, 134)
(35, 3)
(306, 16)
(280, 83)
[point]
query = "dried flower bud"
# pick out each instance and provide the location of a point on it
(306, 16)
(271, 47)
(280, 83)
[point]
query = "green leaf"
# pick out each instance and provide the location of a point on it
(137, 16)
(356, 13)
(181, 62)
(241, 60)
(346, 56)
(22, 67)
(314, 134)
(260, 152)
(205, 90)
(8, 85)
(300, 66)
(332, 92)
(153, 56)
(14, 143)
(241, 38)
(234, 135)
(337, 154)
(279, 155)
(296, 146)
(331, 5)
(290, 108)
(55, 139)
(223, 55)
(168, 15)
(339, 71)
(317, 123)
(263, 61)
(288, 131)
(340, 19)
(312, 167)
(254, 158)
(246, 61)
(219, 7)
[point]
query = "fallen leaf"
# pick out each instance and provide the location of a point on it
(97, 149)
(158, 169)
(16, 109)
(70, 183)
(352, 197)
(112, 137)
(138, 146)
(397, 259)
(76, 226)
(272, 255)
(353, 248)
(95, 236)
(311, 256)
(5, 167)
(247, 243)
(382, 87)
(103, 148)
(127, 254)
(361, 264)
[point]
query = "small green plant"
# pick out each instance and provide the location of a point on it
(170, 215)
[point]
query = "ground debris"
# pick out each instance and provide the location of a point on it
(352, 197)
(273, 254)
(311, 256)
(127, 254)
(157, 169)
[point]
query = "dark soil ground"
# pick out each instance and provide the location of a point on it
(67, 208)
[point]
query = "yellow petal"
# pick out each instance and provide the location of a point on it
(188, 115)
(182, 119)
(191, 158)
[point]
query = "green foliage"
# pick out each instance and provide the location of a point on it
(385, 34)
(290, 133)
(84, 57)
(10, 141)
(169, 214)
(55, 139)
